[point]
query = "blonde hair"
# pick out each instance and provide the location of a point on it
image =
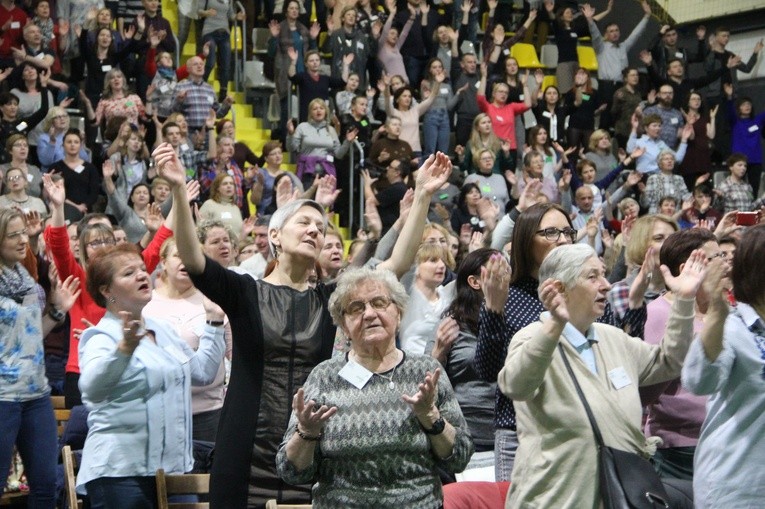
(54, 112)
(476, 143)
(595, 138)
(449, 258)
(641, 237)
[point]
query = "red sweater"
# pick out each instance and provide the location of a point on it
(57, 240)
(502, 118)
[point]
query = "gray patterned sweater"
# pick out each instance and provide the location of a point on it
(373, 453)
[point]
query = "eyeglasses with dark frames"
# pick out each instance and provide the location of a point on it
(552, 234)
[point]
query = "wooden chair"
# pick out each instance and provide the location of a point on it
(69, 479)
(60, 412)
(272, 504)
(181, 484)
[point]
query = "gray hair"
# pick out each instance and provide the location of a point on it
(352, 278)
(565, 263)
(285, 212)
(664, 152)
(204, 227)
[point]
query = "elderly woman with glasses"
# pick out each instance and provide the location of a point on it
(385, 453)
(50, 145)
(17, 147)
(560, 469)
(281, 329)
(16, 193)
(509, 308)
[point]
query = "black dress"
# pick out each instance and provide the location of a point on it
(279, 336)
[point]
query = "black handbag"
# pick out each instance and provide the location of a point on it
(627, 480)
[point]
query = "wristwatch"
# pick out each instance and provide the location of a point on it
(438, 427)
(55, 314)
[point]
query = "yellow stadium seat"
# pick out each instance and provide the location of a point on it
(236, 38)
(549, 80)
(587, 58)
(525, 54)
(323, 39)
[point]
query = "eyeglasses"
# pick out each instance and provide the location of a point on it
(15, 235)
(721, 254)
(95, 244)
(357, 307)
(552, 234)
(14, 178)
(20, 144)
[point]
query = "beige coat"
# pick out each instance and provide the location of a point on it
(556, 463)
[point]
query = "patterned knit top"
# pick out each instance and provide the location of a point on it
(373, 452)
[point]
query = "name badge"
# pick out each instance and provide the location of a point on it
(177, 354)
(21, 126)
(521, 97)
(673, 121)
(477, 85)
(449, 53)
(547, 114)
(30, 178)
(679, 54)
(106, 68)
(443, 196)
(79, 169)
(360, 45)
(40, 56)
(506, 52)
(364, 123)
(444, 90)
(164, 88)
(330, 158)
(485, 188)
(356, 374)
(574, 35)
(619, 378)
(210, 99)
(585, 97)
(754, 128)
(184, 147)
(500, 119)
(225, 215)
(15, 24)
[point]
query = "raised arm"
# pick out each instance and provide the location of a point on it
(171, 169)
(430, 177)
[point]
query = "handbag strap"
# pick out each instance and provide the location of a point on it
(590, 416)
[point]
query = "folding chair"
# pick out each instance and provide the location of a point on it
(587, 58)
(69, 478)
(181, 484)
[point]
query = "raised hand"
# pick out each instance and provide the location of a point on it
(646, 8)
(447, 333)
(310, 415)
(327, 192)
(511, 178)
(688, 282)
(634, 178)
(192, 190)
(132, 333)
(433, 173)
(169, 166)
(154, 218)
(646, 57)
(466, 6)
(529, 195)
(64, 295)
(285, 193)
(553, 300)
(588, 11)
(275, 28)
(348, 58)
(34, 223)
(495, 283)
(423, 402)
(54, 190)
(476, 241)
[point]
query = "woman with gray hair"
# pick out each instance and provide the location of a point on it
(609, 365)
(372, 427)
(281, 329)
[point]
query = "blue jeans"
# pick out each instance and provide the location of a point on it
(127, 493)
(435, 132)
(31, 426)
(505, 448)
(220, 40)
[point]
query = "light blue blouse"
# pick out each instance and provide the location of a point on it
(140, 405)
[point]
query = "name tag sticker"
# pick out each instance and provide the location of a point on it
(477, 85)
(79, 169)
(106, 68)
(210, 99)
(619, 378)
(30, 178)
(164, 89)
(679, 54)
(184, 147)
(500, 119)
(443, 196)
(444, 90)
(485, 188)
(506, 52)
(15, 24)
(21, 126)
(585, 97)
(754, 128)
(360, 45)
(574, 35)
(356, 374)
(673, 121)
(330, 158)
(40, 56)
(547, 114)
(225, 215)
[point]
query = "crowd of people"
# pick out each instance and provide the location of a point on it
(523, 233)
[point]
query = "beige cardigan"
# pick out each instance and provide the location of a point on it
(556, 463)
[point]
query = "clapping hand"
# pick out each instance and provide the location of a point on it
(132, 333)
(687, 283)
(327, 192)
(423, 402)
(311, 416)
(495, 283)
(554, 301)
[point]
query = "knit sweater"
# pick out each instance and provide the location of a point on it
(556, 463)
(373, 452)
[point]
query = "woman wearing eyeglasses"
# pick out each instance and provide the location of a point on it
(16, 185)
(508, 309)
(373, 427)
(17, 147)
(26, 414)
(50, 145)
